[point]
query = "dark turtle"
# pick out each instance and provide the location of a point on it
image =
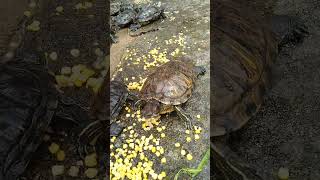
(146, 15)
(119, 95)
(124, 18)
(115, 8)
(168, 87)
(245, 45)
(127, 6)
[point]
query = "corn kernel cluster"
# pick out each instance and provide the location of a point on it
(141, 149)
(131, 160)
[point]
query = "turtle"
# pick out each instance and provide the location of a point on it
(124, 18)
(146, 15)
(169, 86)
(105, 111)
(115, 8)
(245, 45)
(126, 15)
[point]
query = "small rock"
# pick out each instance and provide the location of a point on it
(73, 171)
(91, 172)
(57, 170)
(283, 173)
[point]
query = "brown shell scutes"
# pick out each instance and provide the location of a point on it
(171, 83)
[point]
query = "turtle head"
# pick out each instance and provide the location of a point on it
(150, 109)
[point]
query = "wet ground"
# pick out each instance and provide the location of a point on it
(184, 33)
(286, 131)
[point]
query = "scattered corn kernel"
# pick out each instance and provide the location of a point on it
(183, 152)
(27, 13)
(73, 171)
(188, 139)
(189, 157)
(54, 148)
(177, 144)
(65, 70)
(59, 9)
(163, 160)
(61, 155)
(187, 131)
(91, 160)
(158, 153)
(196, 136)
(75, 52)
(91, 172)
(57, 170)
(53, 56)
(32, 4)
(163, 135)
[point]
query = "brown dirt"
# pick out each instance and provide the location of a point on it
(117, 49)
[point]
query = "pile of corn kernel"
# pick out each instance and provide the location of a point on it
(78, 75)
(133, 159)
(90, 163)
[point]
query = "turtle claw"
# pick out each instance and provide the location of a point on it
(183, 115)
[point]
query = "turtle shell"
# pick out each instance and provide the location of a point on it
(244, 49)
(27, 106)
(148, 14)
(125, 17)
(171, 83)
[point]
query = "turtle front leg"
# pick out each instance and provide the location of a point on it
(230, 164)
(183, 115)
(133, 100)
